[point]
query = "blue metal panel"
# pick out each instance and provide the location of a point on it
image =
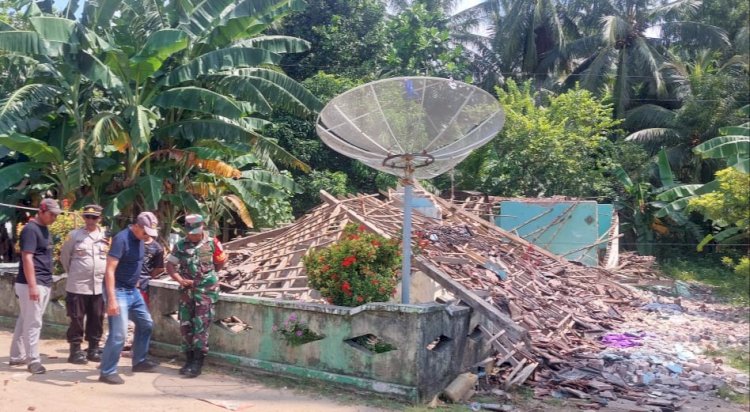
(566, 228)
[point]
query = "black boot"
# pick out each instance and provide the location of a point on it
(93, 353)
(189, 359)
(195, 369)
(77, 356)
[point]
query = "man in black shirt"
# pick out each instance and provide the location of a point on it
(153, 265)
(33, 286)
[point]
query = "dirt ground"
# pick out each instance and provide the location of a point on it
(67, 387)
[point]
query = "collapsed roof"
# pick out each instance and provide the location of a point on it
(535, 306)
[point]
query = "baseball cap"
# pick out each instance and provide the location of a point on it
(50, 205)
(149, 222)
(92, 210)
(194, 224)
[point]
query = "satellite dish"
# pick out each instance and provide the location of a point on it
(411, 127)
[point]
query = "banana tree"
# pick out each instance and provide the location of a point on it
(43, 161)
(158, 76)
(636, 211)
(734, 148)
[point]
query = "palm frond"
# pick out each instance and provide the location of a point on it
(240, 208)
(20, 104)
(228, 131)
(194, 157)
(649, 116)
(276, 44)
(283, 90)
(200, 100)
(220, 60)
(655, 136)
(614, 29)
(697, 34)
(644, 53)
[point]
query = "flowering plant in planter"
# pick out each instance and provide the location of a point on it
(295, 332)
(361, 267)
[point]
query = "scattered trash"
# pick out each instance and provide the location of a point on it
(647, 378)
(611, 357)
(663, 307)
(674, 368)
(682, 289)
(460, 387)
(622, 340)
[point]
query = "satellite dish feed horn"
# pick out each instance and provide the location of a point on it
(411, 127)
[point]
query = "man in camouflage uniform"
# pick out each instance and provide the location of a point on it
(193, 264)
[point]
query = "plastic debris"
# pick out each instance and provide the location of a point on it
(663, 308)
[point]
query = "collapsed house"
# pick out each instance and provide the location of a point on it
(533, 307)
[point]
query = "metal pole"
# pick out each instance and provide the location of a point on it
(406, 242)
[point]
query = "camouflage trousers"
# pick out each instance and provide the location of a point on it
(196, 313)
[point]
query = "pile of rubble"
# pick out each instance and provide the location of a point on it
(661, 356)
(545, 316)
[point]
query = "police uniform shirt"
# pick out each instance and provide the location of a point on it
(84, 258)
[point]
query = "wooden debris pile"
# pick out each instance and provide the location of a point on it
(637, 268)
(538, 309)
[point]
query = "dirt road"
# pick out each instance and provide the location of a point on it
(68, 388)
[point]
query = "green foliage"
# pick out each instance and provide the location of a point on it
(347, 37)
(158, 83)
(373, 344)
(63, 225)
(709, 106)
(271, 212)
(741, 267)
(334, 183)
(298, 136)
(420, 44)
(361, 267)
(296, 332)
(326, 86)
(729, 205)
(562, 147)
(731, 15)
(707, 268)
(637, 213)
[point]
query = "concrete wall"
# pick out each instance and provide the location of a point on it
(411, 371)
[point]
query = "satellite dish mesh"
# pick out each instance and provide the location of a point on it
(410, 126)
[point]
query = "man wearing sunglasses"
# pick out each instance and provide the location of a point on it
(84, 257)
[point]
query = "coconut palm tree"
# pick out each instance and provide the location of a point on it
(619, 49)
(709, 92)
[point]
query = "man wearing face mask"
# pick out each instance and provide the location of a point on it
(33, 286)
(123, 300)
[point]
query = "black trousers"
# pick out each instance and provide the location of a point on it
(86, 313)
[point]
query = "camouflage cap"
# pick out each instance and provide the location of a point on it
(194, 224)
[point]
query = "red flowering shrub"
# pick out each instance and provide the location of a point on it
(362, 267)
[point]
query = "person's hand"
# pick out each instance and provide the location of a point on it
(33, 294)
(186, 283)
(113, 309)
